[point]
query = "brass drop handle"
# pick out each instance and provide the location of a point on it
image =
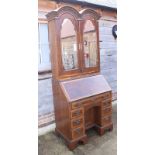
(77, 122)
(107, 110)
(107, 103)
(77, 105)
(105, 96)
(78, 131)
(77, 113)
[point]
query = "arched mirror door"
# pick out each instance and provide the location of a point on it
(69, 46)
(90, 46)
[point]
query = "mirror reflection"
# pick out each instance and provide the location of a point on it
(68, 45)
(90, 44)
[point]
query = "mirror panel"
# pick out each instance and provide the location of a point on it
(90, 44)
(68, 46)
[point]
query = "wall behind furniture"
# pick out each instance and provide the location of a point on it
(108, 53)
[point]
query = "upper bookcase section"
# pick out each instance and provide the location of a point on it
(74, 42)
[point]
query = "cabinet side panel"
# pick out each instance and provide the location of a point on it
(62, 110)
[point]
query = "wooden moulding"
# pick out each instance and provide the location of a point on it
(58, 12)
(86, 4)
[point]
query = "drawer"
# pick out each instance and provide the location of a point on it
(98, 100)
(106, 103)
(107, 111)
(88, 101)
(106, 120)
(106, 96)
(78, 132)
(91, 103)
(76, 123)
(77, 113)
(75, 105)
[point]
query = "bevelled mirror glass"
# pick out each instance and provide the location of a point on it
(68, 46)
(90, 44)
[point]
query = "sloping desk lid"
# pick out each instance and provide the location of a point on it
(84, 87)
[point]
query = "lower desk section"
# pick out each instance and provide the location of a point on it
(74, 117)
(91, 112)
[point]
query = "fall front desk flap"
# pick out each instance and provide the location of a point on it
(84, 87)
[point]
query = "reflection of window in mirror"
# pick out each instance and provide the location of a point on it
(90, 44)
(68, 45)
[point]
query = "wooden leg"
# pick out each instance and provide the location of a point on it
(72, 145)
(84, 140)
(111, 127)
(100, 131)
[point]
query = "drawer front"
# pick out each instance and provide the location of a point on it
(106, 120)
(91, 103)
(106, 96)
(107, 111)
(98, 99)
(106, 103)
(76, 133)
(88, 101)
(75, 105)
(77, 113)
(76, 123)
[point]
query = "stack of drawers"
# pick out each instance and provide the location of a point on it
(78, 124)
(77, 121)
(106, 110)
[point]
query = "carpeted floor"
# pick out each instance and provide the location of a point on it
(50, 144)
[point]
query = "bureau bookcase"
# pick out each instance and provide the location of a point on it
(82, 96)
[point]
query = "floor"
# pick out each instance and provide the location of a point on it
(50, 144)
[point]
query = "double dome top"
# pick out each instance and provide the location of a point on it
(67, 9)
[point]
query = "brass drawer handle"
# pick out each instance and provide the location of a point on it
(106, 96)
(77, 122)
(78, 131)
(77, 113)
(76, 105)
(107, 103)
(107, 110)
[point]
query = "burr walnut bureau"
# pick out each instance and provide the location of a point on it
(81, 95)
